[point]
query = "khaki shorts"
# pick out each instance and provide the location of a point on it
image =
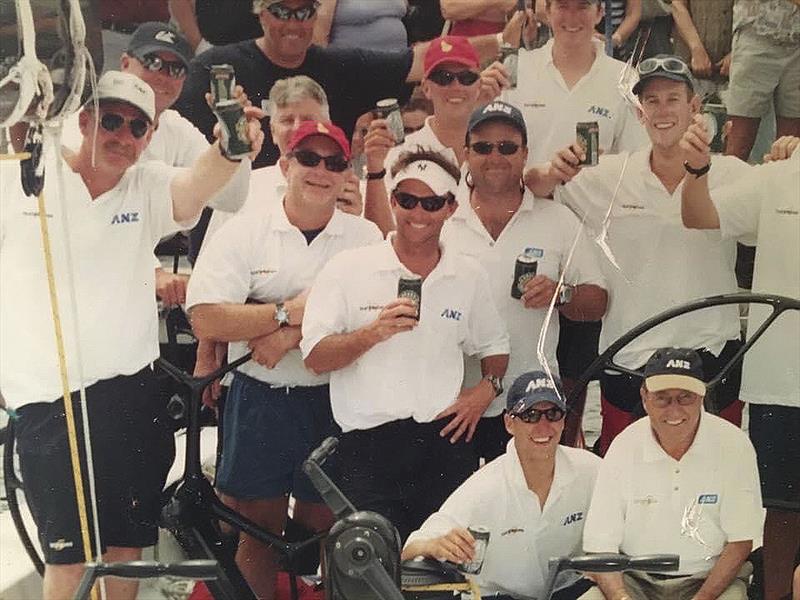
(763, 72)
(646, 586)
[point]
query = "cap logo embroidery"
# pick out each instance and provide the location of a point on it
(674, 363)
(534, 384)
(421, 166)
(446, 47)
(165, 36)
(497, 106)
(322, 129)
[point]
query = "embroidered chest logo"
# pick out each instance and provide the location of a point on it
(573, 518)
(599, 111)
(126, 217)
(512, 530)
(708, 499)
(451, 313)
(646, 501)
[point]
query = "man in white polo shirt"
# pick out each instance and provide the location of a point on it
(117, 211)
(532, 500)
(497, 220)
(395, 380)
(660, 263)
(681, 481)
(764, 206)
(277, 411)
(569, 80)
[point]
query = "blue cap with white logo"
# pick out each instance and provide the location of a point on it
(532, 388)
(675, 368)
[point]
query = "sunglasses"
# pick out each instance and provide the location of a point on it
(505, 148)
(668, 64)
(429, 203)
(335, 163)
(154, 63)
(533, 415)
(445, 78)
(112, 121)
(284, 13)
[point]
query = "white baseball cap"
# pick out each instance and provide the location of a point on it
(127, 88)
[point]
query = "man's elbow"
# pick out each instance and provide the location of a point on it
(200, 318)
(315, 363)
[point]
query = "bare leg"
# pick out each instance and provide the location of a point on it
(256, 561)
(124, 589)
(316, 517)
(61, 581)
(741, 136)
(781, 535)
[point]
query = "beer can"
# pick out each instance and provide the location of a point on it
(524, 271)
(509, 56)
(410, 286)
(389, 109)
(233, 124)
(588, 137)
(223, 80)
(715, 116)
(481, 536)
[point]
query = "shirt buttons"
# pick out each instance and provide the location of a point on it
(677, 471)
(491, 244)
(676, 488)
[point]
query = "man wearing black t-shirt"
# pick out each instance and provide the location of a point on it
(353, 79)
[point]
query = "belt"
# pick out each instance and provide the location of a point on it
(120, 27)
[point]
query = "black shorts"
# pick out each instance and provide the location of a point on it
(133, 448)
(577, 345)
(775, 433)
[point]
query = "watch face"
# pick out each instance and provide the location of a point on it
(281, 315)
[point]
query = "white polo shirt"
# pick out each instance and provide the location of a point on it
(523, 535)
(766, 202)
(425, 138)
(177, 143)
(266, 186)
(646, 502)
(549, 229)
(662, 264)
(551, 109)
(415, 374)
(261, 255)
(112, 239)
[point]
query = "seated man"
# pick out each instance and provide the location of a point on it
(683, 482)
(539, 492)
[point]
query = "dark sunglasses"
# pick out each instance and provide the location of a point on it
(445, 78)
(429, 203)
(112, 121)
(505, 148)
(153, 62)
(335, 163)
(533, 415)
(284, 13)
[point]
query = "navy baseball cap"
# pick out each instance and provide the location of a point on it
(155, 36)
(499, 111)
(675, 368)
(532, 388)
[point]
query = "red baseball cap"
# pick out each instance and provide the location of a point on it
(451, 48)
(329, 130)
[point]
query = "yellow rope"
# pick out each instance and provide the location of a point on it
(62, 363)
(17, 156)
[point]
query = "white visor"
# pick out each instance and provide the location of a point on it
(429, 173)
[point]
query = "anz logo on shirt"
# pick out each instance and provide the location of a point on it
(599, 111)
(708, 499)
(126, 217)
(451, 313)
(573, 518)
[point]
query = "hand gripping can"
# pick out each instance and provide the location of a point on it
(481, 535)
(588, 137)
(410, 286)
(715, 116)
(222, 82)
(509, 56)
(389, 109)
(234, 142)
(524, 271)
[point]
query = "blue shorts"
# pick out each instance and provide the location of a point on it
(268, 433)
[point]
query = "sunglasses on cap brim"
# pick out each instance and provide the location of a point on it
(668, 64)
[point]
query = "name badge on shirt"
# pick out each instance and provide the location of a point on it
(534, 252)
(708, 499)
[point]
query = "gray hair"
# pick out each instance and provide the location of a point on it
(294, 89)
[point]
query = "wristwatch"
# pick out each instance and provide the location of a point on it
(565, 294)
(497, 384)
(281, 314)
(696, 172)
